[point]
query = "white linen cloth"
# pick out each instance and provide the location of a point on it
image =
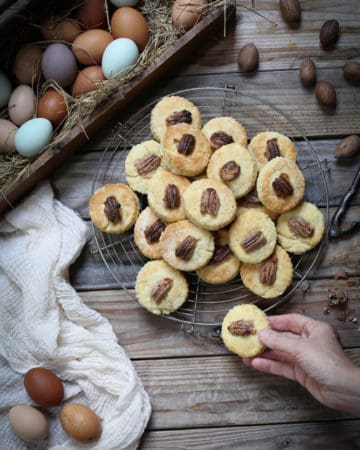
(43, 322)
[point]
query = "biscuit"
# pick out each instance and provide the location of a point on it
(223, 266)
(160, 289)
(235, 166)
(185, 246)
(209, 204)
(280, 185)
(251, 201)
(224, 130)
(185, 150)
(240, 329)
(141, 163)
(300, 229)
(114, 208)
(270, 278)
(147, 231)
(165, 192)
(252, 237)
(269, 144)
(170, 111)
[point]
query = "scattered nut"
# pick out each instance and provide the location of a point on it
(348, 147)
(351, 72)
(147, 165)
(329, 34)
(341, 275)
(183, 116)
(326, 94)
(290, 10)
(248, 58)
(308, 73)
(112, 209)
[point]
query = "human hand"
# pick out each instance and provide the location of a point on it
(308, 351)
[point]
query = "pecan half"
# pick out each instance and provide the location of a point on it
(268, 271)
(147, 165)
(210, 202)
(221, 253)
(172, 197)
(220, 138)
(254, 241)
(251, 198)
(272, 149)
(112, 209)
(300, 227)
(160, 289)
(183, 116)
(242, 328)
(186, 144)
(282, 186)
(229, 171)
(153, 232)
(186, 248)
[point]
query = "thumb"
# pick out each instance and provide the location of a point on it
(279, 341)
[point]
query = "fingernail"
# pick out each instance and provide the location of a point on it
(264, 334)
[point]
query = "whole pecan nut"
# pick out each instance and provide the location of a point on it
(242, 328)
(221, 253)
(186, 248)
(272, 149)
(268, 271)
(253, 242)
(210, 202)
(160, 289)
(220, 138)
(147, 165)
(172, 197)
(186, 144)
(183, 116)
(229, 171)
(282, 186)
(112, 209)
(300, 227)
(153, 232)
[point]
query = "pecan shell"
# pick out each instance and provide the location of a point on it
(147, 165)
(183, 116)
(282, 186)
(253, 242)
(221, 253)
(210, 202)
(268, 271)
(160, 289)
(172, 197)
(229, 171)
(153, 232)
(300, 227)
(186, 144)
(242, 328)
(186, 248)
(272, 149)
(112, 209)
(220, 138)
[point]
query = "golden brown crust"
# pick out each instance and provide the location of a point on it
(228, 125)
(145, 220)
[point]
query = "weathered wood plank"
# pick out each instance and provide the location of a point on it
(302, 436)
(221, 391)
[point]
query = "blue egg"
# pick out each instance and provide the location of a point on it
(5, 89)
(118, 56)
(33, 136)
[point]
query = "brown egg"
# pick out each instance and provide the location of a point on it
(52, 106)
(128, 22)
(27, 68)
(80, 422)
(44, 387)
(86, 80)
(186, 13)
(7, 136)
(56, 28)
(91, 13)
(89, 46)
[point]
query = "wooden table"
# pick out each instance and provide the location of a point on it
(202, 396)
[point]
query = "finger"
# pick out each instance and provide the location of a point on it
(274, 367)
(247, 361)
(283, 342)
(275, 355)
(295, 323)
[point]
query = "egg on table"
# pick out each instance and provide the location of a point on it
(121, 54)
(80, 422)
(22, 104)
(7, 136)
(186, 13)
(130, 23)
(87, 80)
(43, 386)
(52, 105)
(91, 13)
(89, 46)
(27, 64)
(28, 423)
(56, 28)
(5, 89)
(33, 136)
(58, 63)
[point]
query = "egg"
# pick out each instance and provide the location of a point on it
(5, 89)
(28, 423)
(86, 80)
(58, 63)
(89, 46)
(27, 64)
(80, 422)
(118, 56)
(52, 105)
(186, 13)
(33, 136)
(91, 13)
(124, 2)
(129, 23)
(56, 28)
(22, 103)
(7, 136)
(43, 386)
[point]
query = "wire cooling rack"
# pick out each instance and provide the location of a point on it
(207, 304)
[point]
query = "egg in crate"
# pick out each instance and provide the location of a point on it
(87, 80)
(27, 64)
(58, 28)
(91, 13)
(28, 423)
(119, 3)
(7, 136)
(58, 63)
(186, 13)
(89, 46)
(22, 103)
(130, 23)
(5, 89)
(33, 136)
(121, 54)
(52, 105)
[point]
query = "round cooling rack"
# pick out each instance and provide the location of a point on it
(207, 303)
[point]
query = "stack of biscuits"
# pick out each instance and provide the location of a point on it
(216, 205)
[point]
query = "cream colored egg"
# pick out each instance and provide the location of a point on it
(7, 136)
(21, 106)
(28, 423)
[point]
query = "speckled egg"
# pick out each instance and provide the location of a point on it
(22, 104)
(128, 22)
(33, 136)
(52, 105)
(56, 28)
(7, 136)
(119, 56)
(27, 64)
(80, 422)
(28, 423)
(86, 80)
(58, 63)
(89, 46)
(5, 89)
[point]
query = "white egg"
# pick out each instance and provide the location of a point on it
(119, 3)
(33, 136)
(118, 56)
(5, 89)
